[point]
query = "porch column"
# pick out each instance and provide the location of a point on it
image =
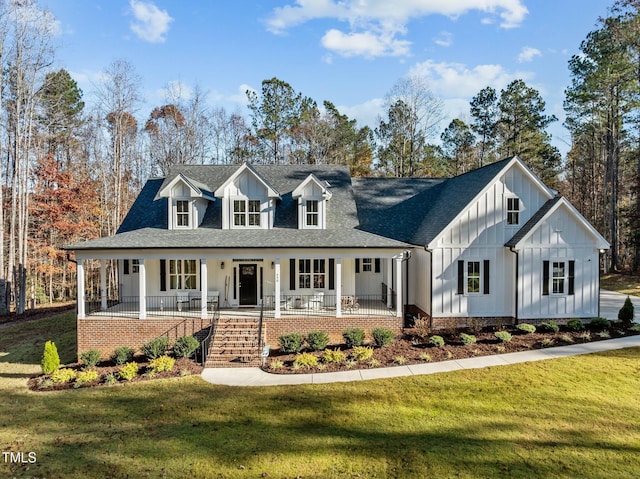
(80, 286)
(103, 285)
(399, 286)
(142, 288)
(276, 293)
(338, 287)
(389, 282)
(203, 288)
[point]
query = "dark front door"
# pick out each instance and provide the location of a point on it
(248, 285)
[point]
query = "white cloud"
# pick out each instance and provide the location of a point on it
(374, 25)
(527, 54)
(445, 39)
(240, 97)
(152, 24)
(367, 113)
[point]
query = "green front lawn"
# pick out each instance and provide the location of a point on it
(622, 283)
(575, 417)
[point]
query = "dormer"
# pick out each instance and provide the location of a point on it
(313, 196)
(187, 202)
(248, 200)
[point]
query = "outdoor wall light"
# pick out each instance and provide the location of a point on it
(221, 264)
(273, 265)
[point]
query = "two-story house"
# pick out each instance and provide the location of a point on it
(315, 249)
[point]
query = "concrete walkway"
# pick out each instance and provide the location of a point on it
(610, 304)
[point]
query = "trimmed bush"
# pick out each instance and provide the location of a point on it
(156, 347)
(383, 336)
(333, 356)
(353, 337)
(290, 343)
(122, 355)
(161, 363)
(317, 340)
(50, 358)
(305, 360)
(599, 324)
(549, 327)
(63, 375)
(526, 328)
(185, 346)
(90, 358)
(362, 353)
(421, 328)
(437, 341)
(467, 339)
(626, 313)
(504, 336)
(575, 325)
(87, 376)
(128, 371)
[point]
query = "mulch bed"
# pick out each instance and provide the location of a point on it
(410, 349)
(182, 367)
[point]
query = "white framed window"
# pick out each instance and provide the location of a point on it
(513, 211)
(473, 277)
(246, 213)
(367, 264)
(312, 272)
(558, 277)
(183, 214)
(312, 214)
(183, 274)
(135, 266)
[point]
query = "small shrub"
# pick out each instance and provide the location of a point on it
(290, 343)
(349, 363)
(549, 327)
(421, 328)
(362, 353)
(156, 347)
(599, 324)
(185, 346)
(321, 367)
(604, 334)
(635, 328)
(383, 336)
(566, 338)
(333, 356)
(575, 325)
(50, 358)
(526, 328)
(437, 341)
(585, 336)
(276, 365)
(503, 336)
(374, 363)
(305, 360)
(62, 376)
(128, 371)
(122, 355)
(426, 357)
(110, 378)
(90, 358)
(84, 377)
(500, 348)
(626, 313)
(317, 340)
(400, 360)
(45, 383)
(353, 337)
(547, 342)
(467, 339)
(161, 363)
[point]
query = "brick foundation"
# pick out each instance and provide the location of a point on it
(107, 334)
(332, 326)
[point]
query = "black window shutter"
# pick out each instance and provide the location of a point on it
(163, 275)
(460, 277)
(485, 272)
(292, 274)
(125, 266)
(377, 265)
(572, 270)
(545, 278)
(332, 273)
(235, 283)
(357, 265)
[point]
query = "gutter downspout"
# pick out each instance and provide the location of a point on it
(430, 312)
(515, 251)
(405, 259)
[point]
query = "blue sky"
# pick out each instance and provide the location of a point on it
(350, 52)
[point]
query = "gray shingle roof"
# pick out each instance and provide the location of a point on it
(533, 222)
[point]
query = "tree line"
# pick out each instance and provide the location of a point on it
(70, 171)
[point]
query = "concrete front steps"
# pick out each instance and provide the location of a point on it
(235, 344)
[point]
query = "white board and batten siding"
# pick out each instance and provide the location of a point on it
(247, 186)
(479, 234)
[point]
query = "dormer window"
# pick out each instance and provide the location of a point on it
(312, 214)
(313, 196)
(246, 213)
(182, 213)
